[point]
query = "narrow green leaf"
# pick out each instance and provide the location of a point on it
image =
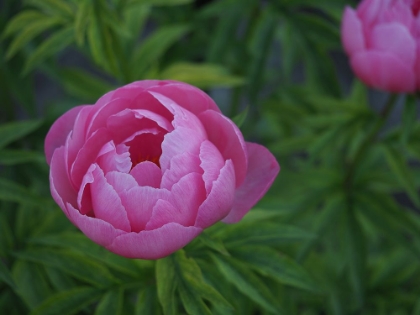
(280, 267)
(60, 280)
(401, 171)
(246, 282)
(95, 41)
(213, 243)
(201, 75)
(111, 303)
(189, 274)
(55, 43)
(408, 118)
(192, 302)
(21, 20)
(166, 2)
(56, 7)
(68, 302)
(74, 264)
(14, 157)
(10, 191)
(30, 32)
(146, 302)
(6, 276)
(154, 46)
(82, 20)
(7, 235)
(13, 131)
(166, 285)
(241, 117)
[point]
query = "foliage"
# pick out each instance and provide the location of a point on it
(339, 232)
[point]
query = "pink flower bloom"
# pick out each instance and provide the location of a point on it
(382, 39)
(150, 165)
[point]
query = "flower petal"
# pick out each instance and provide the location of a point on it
(120, 181)
(352, 32)
(180, 165)
(147, 174)
(228, 139)
(211, 163)
(384, 71)
(262, 170)
(117, 159)
(220, 200)
(59, 131)
(154, 244)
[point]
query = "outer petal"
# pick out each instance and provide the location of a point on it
(227, 137)
(219, 201)
(262, 170)
(394, 38)
(97, 230)
(211, 163)
(154, 244)
(59, 131)
(352, 32)
(147, 174)
(384, 71)
(180, 165)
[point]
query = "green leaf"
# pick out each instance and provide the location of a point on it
(154, 46)
(13, 131)
(166, 285)
(266, 233)
(401, 171)
(21, 20)
(201, 75)
(69, 302)
(83, 84)
(59, 280)
(241, 117)
(14, 157)
(50, 47)
(163, 2)
(30, 32)
(146, 302)
(213, 243)
(408, 118)
(272, 264)
(6, 276)
(7, 236)
(74, 264)
(111, 303)
(192, 302)
(10, 191)
(82, 20)
(55, 7)
(246, 282)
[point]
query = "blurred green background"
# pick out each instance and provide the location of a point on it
(338, 233)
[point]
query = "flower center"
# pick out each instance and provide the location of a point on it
(415, 7)
(141, 158)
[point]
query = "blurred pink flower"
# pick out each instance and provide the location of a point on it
(382, 39)
(150, 165)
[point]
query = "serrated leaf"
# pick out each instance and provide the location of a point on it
(68, 302)
(166, 285)
(14, 157)
(74, 264)
(51, 46)
(246, 282)
(401, 171)
(21, 20)
(10, 191)
(30, 32)
(241, 117)
(280, 267)
(154, 46)
(267, 233)
(201, 75)
(16, 130)
(111, 303)
(6, 276)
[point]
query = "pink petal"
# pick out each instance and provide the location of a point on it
(228, 139)
(59, 131)
(97, 230)
(262, 170)
(88, 154)
(164, 212)
(180, 165)
(147, 174)
(120, 181)
(187, 96)
(106, 203)
(211, 163)
(179, 141)
(139, 202)
(384, 71)
(84, 196)
(61, 189)
(220, 200)
(352, 32)
(154, 244)
(370, 10)
(117, 159)
(395, 39)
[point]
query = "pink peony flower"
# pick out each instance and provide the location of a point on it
(150, 165)
(382, 39)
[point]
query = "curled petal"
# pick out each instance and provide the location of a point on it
(262, 170)
(180, 165)
(154, 244)
(211, 163)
